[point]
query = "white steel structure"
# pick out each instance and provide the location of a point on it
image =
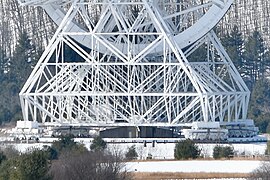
(136, 65)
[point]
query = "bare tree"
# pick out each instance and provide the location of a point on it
(16, 19)
(88, 165)
(262, 172)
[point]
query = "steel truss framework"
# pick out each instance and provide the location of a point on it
(136, 68)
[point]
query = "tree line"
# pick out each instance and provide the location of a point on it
(252, 59)
(69, 160)
(24, 32)
(64, 159)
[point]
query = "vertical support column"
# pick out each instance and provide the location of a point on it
(205, 108)
(214, 108)
(35, 109)
(236, 108)
(42, 112)
(229, 107)
(26, 110)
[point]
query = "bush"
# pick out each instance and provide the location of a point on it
(217, 152)
(267, 151)
(131, 153)
(223, 152)
(65, 143)
(10, 152)
(186, 149)
(3, 157)
(98, 144)
(29, 166)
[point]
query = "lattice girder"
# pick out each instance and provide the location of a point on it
(132, 72)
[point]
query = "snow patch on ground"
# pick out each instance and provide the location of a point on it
(229, 166)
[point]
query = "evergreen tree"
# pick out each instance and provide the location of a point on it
(13, 74)
(4, 64)
(186, 149)
(63, 145)
(198, 54)
(21, 61)
(131, 153)
(234, 45)
(98, 144)
(29, 166)
(256, 58)
(223, 152)
(267, 151)
(2, 157)
(260, 105)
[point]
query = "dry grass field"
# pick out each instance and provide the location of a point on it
(175, 176)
